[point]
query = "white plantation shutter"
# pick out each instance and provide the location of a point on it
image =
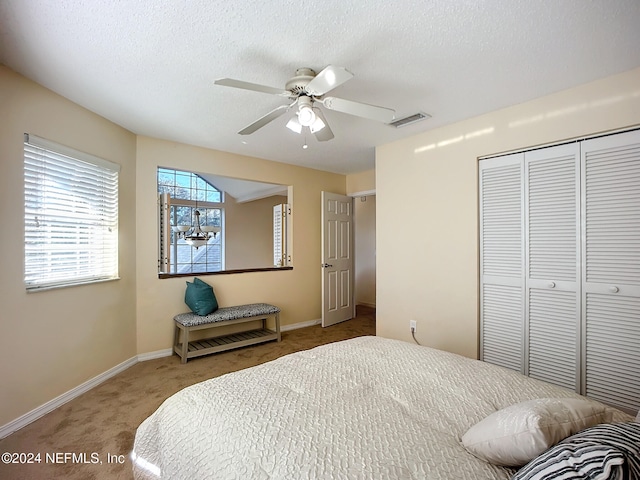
(71, 216)
(278, 235)
(552, 236)
(611, 284)
(164, 239)
(501, 262)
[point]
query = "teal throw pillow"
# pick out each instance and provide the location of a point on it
(200, 298)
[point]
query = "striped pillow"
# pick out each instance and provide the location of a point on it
(604, 452)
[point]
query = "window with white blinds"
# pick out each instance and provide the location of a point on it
(181, 194)
(71, 216)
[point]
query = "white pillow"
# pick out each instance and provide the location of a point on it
(517, 434)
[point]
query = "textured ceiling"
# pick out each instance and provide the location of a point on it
(150, 65)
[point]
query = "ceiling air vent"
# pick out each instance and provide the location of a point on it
(403, 122)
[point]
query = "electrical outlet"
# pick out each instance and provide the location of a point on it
(412, 325)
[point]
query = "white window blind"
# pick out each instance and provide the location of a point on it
(71, 216)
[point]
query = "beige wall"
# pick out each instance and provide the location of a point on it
(296, 292)
(360, 182)
(427, 205)
(53, 341)
(365, 249)
(249, 232)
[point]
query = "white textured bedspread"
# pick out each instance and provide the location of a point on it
(366, 408)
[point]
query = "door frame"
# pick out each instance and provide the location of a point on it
(338, 313)
(353, 195)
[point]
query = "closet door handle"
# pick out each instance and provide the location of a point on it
(552, 284)
(614, 289)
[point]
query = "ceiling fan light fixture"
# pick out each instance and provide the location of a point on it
(317, 125)
(294, 125)
(306, 116)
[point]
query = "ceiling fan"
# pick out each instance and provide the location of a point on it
(306, 89)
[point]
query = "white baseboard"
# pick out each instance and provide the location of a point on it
(295, 326)
(370, 305)
(51, 405)
(143, 357)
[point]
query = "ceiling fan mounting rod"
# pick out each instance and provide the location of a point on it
(304, 100)
(297, 85)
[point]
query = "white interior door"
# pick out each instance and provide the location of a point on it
(337, 258)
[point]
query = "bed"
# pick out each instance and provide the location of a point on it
(365, 408)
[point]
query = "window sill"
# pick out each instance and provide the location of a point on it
(44, 288)
(223, 272)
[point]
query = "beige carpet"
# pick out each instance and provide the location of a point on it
(99, 426)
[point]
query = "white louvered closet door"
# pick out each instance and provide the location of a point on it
(502, 261)
(611, 278)
(552, 236)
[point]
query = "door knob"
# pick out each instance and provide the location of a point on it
(326, 265)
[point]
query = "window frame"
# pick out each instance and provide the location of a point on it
(165, 231)
(217, 242)
(70, 215)
(201, 203)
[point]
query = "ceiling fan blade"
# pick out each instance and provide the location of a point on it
(230, 82)
(372, 112)
(262, 121)
(324, 133)
(328, 79)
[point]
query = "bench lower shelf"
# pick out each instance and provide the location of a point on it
(186, 323)
(206, 346)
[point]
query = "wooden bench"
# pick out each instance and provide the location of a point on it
(190, 322)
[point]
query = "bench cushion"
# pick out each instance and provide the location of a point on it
(190, 319)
